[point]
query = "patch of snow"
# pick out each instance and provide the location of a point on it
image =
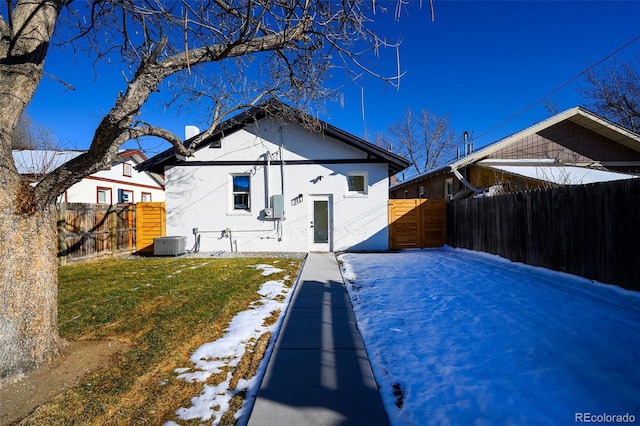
(268, 269)
(226, 352)
(460, 337)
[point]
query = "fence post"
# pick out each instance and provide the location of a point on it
(113, 228)
(62, 234)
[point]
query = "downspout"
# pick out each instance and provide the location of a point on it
(284, 213)
(267, 201)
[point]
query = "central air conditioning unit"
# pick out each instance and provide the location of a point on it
(169, 246)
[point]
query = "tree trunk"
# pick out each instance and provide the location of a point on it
(29, 290)
(29, 286)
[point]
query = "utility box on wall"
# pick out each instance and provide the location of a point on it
(276, 211)
(277, 205)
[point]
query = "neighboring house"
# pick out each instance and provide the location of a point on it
(573, 147)
(271, 183)
(120, 183)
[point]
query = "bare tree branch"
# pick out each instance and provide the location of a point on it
(212, 54)
(615, 92)
(427, 140)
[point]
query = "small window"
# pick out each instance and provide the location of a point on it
(104, 195)
(448, 188)
(146, 197)
(406, 193)
(420, 191)
(125, 196)
(241, 192)
(357, 183)
(126, 169)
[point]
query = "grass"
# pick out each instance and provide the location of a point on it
(165, 309)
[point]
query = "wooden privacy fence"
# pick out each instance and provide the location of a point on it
(587, 230)
(87, 231)
(150, 224)
(417, 223)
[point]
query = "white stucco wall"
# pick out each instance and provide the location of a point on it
(200, 196)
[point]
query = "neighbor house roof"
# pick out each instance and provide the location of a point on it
(548, 171)
(577, 115)
(38, 162)
(273, 107)
(34, 162)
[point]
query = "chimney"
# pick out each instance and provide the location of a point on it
(190, 131)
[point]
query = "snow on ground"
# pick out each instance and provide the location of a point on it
(226, 352)
(472, 338)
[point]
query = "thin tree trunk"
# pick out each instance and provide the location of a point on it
(28, 290)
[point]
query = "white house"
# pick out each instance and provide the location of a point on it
(268, 183)
(120, 183)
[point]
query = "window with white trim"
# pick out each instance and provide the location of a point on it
(357, 183)
(126, 169)
(241, 192)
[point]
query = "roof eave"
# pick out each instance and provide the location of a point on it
(396, 163)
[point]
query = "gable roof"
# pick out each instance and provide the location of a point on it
(275, 108)
(577, 115)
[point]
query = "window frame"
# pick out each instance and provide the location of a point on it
(121, 193)
(448, 184)
(146, 194)
(127, 169)
(233, 193)
(365, 184)
(107, 191)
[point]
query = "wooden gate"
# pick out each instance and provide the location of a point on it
(150, 224)
(417, 223)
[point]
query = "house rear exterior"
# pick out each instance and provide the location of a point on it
(266, 183)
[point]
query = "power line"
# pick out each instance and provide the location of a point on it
(560, 88)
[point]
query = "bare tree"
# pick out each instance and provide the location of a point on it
(614, 92)
(426, 139)
(30, 135)
(220, 55)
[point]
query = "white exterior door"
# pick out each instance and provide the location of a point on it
(320, 226)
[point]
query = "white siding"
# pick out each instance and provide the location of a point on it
(85, 191)
(200, 196)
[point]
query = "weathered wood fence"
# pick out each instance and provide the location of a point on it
(417, 223)
(87, 231)
(587, 230)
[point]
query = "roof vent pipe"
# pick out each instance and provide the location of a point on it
(467, 145)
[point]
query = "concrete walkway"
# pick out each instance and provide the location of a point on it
(319, 373)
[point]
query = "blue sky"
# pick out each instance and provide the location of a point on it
(481, 62)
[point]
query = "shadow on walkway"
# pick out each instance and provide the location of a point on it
(319, 373)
